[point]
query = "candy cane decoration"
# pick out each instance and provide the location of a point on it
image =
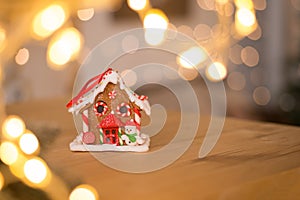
(101, 136)
(87, 137)
(85, 121)
(137, 118)
(120, 135)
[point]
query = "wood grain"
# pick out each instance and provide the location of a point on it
(252, 160)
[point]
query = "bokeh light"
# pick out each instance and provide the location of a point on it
(229, 9)
(250, 56)
(35, 170)
(85, 192)
(235, 54)
(260, 4)
(2, 38)
(13, 127)
(137, 4)
(8, 153)
(206, 4)
(156, 19)
(154, 37)
(255, 35)
(22, 56)
(192, 57)
(2, 181)
(261, 95)
(225, 9)
(155, 23)
(64, 47)
(244, 4)
(216, 72)
(85, 14)
(245, 17)
(236, 81)
(28, 143)
(49, 20)
(287, 102)
(17, 167)
(202, 32)
(129, 76)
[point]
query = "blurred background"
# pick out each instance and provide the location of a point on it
(253, 46)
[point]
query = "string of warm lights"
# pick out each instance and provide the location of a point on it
(237, 19)
(214, 41)
(19, 151)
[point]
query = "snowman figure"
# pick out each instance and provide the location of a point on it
(131, 136)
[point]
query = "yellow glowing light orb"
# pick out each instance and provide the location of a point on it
(137, 4)
(28, 143)
(156, 18)
(1, 181)
(22, 56)
(154, 37)
(246, 17)
(2, 38)
(86, 14)
(155, 24)
(84, 191)
(216, 72)
(64, 47)
(53, 17)
(191, 57)
(59, 53)
(35, 170)
(49, 20)
(13, 127)
(9, 153)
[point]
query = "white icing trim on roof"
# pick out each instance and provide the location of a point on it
(110, 77)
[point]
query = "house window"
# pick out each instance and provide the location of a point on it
(123, 110)
(100, 108)
(111, 136)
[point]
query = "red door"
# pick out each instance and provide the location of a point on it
(110, 136)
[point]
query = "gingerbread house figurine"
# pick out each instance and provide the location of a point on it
(111, 116)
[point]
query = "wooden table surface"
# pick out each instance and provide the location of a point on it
(252, 160)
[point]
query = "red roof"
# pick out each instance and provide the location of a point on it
(87, 87)
(110, 121)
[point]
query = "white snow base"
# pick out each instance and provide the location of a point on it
(77, 145)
